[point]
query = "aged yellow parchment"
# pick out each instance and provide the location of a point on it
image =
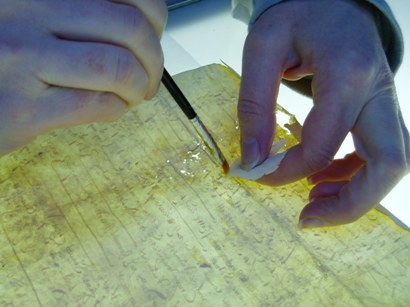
(133, 213)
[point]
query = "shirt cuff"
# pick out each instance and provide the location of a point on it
(390, 33)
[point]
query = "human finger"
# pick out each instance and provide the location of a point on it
(385, 164)
(53, 108)
(117, 24)
(64, 107)
(340, 169)
(263, 64)
(326, 189)
(156, 12)
(96, 67)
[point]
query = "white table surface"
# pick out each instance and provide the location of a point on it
(205, 33)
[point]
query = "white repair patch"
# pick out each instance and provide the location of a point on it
(270, 165)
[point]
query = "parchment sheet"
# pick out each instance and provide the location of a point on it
(134, 213)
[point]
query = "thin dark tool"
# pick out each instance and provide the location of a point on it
(189, 111)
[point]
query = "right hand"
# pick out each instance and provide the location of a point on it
(65, 63)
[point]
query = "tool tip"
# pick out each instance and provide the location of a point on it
(225, 166)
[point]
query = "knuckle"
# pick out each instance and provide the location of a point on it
(155, 78)
(139, 29)
(358, 69)
(112, 107)
(18, 120)
(251, 110)
(395, 165)
(256, 42)
(10, 51)
(129, 78)
(17, 112)
(161, 14)
(136, 22)
(157, 68)
(347, 212)
(317, 158)
(156, 14)
(351, 213)
(136, 30)
(361, 64)
(124, 69)
(141, 26)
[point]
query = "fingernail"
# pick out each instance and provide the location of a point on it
(311, 223)
(312, 199)
(314, 179)
(310, 181)
(250, 153)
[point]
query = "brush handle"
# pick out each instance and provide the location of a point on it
(178, 96)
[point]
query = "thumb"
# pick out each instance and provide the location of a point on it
(262, 68)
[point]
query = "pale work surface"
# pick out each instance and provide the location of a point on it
(133, 213)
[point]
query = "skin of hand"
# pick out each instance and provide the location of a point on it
(337, 43)
(65, 63)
